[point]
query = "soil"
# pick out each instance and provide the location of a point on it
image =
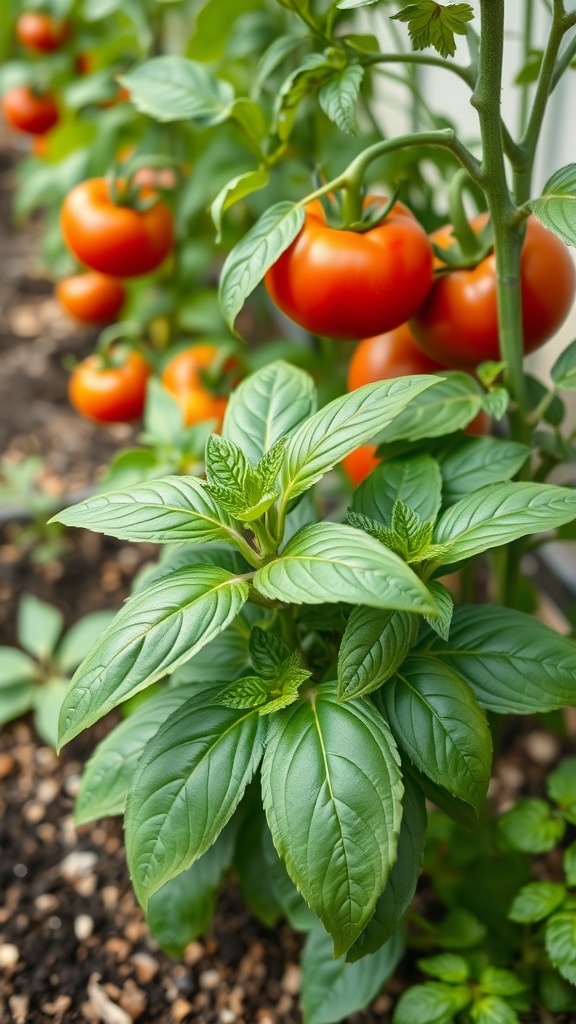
(73, 944)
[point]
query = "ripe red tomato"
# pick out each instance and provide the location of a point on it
(349, 284)
(393, 354)
(28, 111)
(41, 32)
(184, 371)
(92, 298)
(198, 405)
(110, 394)
(116, 240)
(458, 323)
(360, 463)
(480, 425)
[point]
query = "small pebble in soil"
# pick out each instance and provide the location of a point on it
(19, 1006)
(83, 927)
(78, 863)
(542, 747)
(9, 955)
(145, 967)
(209, 980)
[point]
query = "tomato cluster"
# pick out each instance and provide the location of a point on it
(458, 322)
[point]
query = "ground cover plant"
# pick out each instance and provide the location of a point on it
(301, 670)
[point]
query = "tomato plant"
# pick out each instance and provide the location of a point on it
(41, 32)
(110, 389)
(113, 238)
(458, 322)
(348, 284)
(30, 111)
(92, 298)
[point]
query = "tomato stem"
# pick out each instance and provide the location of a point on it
(471, 246)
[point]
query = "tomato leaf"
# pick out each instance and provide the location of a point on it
(556, 207)
(330, 562)
(248, 262)
(338, 97)
(172, 88)
(190, 779)
(434, 24)
(337, 834)
(236, 189)
(158, 628)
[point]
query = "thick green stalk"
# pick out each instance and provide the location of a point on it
(529, 142)
(508, 237)
(527, 46)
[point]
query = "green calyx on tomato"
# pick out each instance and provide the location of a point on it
(116, 239)
(457, 323)
(345, 284)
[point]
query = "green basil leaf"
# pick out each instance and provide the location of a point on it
(190, 779)
(536, 901)
(182, 910)
(344, 424)
(560, 939)
(374, 645)
(78, 640)
(38, 626)
(334, 989)
(501, 513)
(478, 461)
(267, 406)
(172, 510)
(493, 1010)
(416, 482)
(330, 562)
(157, 629)
(432, 1003)
(438, 723)
(338, 834)
(47, 703)
(399, 892)
(513, 663)
(107, 776)
(448, 967)
(563, 372)
(530, 827)
(450, 405)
